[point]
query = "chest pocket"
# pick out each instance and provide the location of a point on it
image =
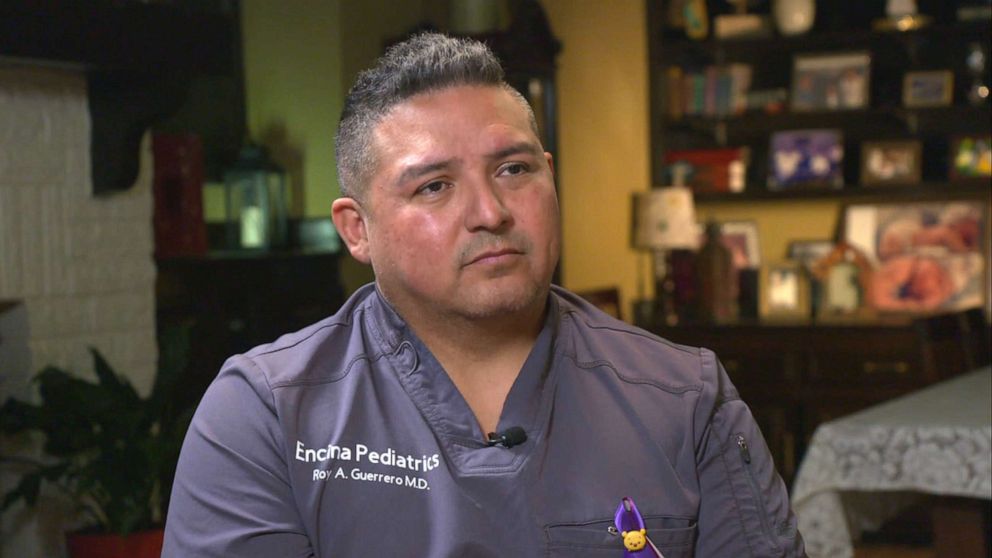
(674, 536)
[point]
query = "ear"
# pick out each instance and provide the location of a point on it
(551, 162)
(349, 218)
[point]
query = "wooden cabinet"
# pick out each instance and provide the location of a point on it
(797, 376)
(233, 301)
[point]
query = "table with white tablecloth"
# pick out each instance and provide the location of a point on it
(862, 469)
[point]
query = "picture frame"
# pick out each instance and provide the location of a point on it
(806, 159)
(808, 252)
(934, 88)
(971, 157)
(834, 81)
(784, 291)
(891, 162)
(844, 280)
(741, 238)
(927, 256)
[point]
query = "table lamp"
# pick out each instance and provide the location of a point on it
(664, 219)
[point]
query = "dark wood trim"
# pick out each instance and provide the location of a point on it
(139, 58)
(961, 527)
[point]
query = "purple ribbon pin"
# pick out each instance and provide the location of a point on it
(629, 522)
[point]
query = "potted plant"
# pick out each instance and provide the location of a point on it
(110, 450)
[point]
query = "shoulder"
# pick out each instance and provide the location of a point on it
(593, 338)
(323, 351)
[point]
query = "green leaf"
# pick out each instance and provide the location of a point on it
(17, 416)
(112, 451)
(115, 385)
(27, 489)
(54, 472)
(67, 395)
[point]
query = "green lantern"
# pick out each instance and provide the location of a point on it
(255, 201)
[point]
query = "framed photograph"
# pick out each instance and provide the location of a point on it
(928, 89)
(784, 291)
(713, 170)
(927, 256)
(837, 81)
(890, 162)
(741, 238)
(843, 278)
(971, 157)
(806, 158)
(807, 252)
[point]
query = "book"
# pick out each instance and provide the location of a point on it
(713, 91)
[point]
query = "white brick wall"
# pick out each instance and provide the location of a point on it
(82, 265)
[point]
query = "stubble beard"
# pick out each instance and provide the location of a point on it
(509, 296)
(492, 302)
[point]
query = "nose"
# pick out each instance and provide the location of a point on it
(487, 208)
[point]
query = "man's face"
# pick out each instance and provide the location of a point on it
(461, 217)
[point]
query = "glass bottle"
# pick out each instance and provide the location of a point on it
(716, 279)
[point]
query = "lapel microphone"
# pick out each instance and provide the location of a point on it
(512, 436)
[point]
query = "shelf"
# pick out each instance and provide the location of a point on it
(816, 41)
(911, 120)
(944, 45)
(224, 256)
(965, 189)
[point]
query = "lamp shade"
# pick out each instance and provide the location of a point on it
(664, 219)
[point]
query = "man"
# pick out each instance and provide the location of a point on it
(461, 406)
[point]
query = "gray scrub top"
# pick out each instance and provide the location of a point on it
(347, 438)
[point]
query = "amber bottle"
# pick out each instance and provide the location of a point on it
(716, 279)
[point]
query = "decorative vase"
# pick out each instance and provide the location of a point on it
(143, 544)
(794, 17)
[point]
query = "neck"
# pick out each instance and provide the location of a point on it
(459, 343)
(482, 356)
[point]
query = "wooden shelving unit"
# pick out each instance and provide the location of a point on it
(845, 28)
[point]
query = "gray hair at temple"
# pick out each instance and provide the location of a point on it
(426, 62)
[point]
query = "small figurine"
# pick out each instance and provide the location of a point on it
(630, 524)
(978, 93)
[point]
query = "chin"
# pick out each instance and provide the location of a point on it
(496, 302)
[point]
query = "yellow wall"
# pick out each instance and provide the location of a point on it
(300, 58)
(302, 55)
(292, 58)
(605, 146)
(779, 222)
(368, 24)
(604, 134)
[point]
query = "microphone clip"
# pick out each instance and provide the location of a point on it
(512, 436)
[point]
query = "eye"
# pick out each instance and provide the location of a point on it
(432, 188)
(512, 169)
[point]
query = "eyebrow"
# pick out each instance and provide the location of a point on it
(416, 171)
(527, 147)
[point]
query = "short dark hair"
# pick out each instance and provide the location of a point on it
(426, 62)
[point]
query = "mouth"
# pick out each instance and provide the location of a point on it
(494, 256)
